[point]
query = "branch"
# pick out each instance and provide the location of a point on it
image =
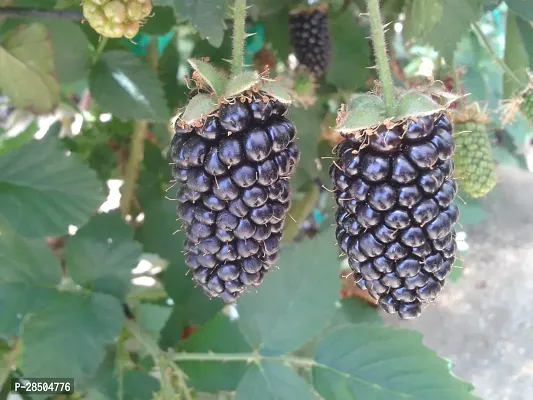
(26, 13)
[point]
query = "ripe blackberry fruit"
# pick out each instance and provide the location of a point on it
(116, 18)
(234, 169)
(310, 38)
(473, 159)
(395, 192)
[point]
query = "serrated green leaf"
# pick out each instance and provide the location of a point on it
(218, 335)
(206, 16)
(242, 82)
(27, 73)
(102, 254)
(415, 104)
(299, 211)
(351, 53)
(444, 33)
(211, 75)
(523, 8)
(136, 385)
(292, 303)
(515, 57)
(273, 381)
(160, 22)
(29, 272)
(68, 337)
(526, 33)
(71, 50)
(153, 317)
(276, 29)
(127, 88)
(42, 190)
(362, 112)
(374, 362)
(199, 107)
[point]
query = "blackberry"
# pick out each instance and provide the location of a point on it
(473, 159)
(234, 196)
(310, 37)
(116, 18)
(395, 217)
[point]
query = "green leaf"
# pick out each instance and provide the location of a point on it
(439, 24)
(526, 33)
(29, 272)
(27, 73)
(5, 367)
(523, 8)
(299, 211)
(126, 87)
(273, 381)
(515, 57)
(136, 385)
(175, 92)
(206, 16)
(220, 335)
(42, 190)
(374, 362)
(199, 107)
(363, 111)
(351, 53)
(68, 338)
(242, 82)
(153, 317)
(160, 22)
(471, 211)
(71, 50)
(211, 75)
(102, 254)
(355, 311)
(293, 302)
(276, 30)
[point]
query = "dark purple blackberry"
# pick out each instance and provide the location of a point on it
(311, 39)
(234, 195)
(395, 218)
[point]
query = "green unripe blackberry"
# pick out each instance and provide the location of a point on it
(473, 159)
(116, 18)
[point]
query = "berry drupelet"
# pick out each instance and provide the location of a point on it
(234, 170)
(395, 192)
(310, 39)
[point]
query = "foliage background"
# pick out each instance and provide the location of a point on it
(89, 293)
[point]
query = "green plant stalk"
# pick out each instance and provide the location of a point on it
(136, 154)
(99, 49)
(380, 51)
(494, 56)
(244, 357)
(239, 37)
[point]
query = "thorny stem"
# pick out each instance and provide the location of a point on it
(163, 362)
(493, 55)
(23, 13)
(239, 37)
(140, 129)
(382, 60)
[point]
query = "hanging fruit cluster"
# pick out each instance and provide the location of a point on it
(116, 18)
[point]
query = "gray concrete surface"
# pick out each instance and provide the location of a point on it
(484, 322)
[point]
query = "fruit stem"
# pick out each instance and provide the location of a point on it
(136, 154)
(493, 55)
(239, 37)
(380, 51)
(99, 49)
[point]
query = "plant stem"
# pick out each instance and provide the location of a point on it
(493, 55)
(380, 50)
(99, 49)
(239, 37)
(136, 153)
(24, 13)
(243, 357)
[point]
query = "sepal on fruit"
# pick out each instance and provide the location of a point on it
(363, 112)
(243, 82)
(198, 109)
(207, 73)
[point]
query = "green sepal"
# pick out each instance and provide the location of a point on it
(277, 91)
(241, 83)
(198, 108)
(212, 76)
(364, 111)
(416, 104)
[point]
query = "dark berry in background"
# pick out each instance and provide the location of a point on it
(310, 39)
(234, 192)
(395, 192)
